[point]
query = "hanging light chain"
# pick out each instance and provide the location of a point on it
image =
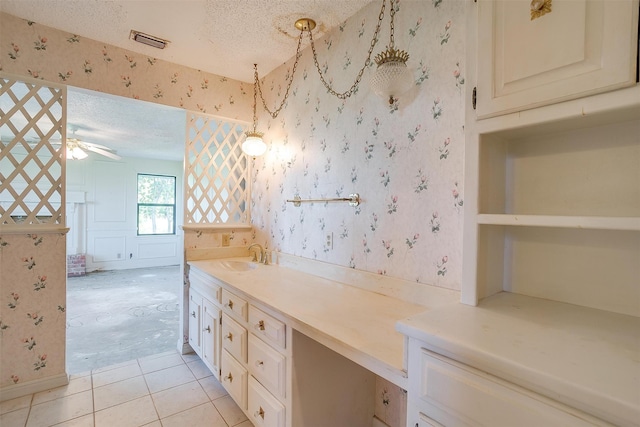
(392, 13)
(255, 98)
(346, 94)
(275, 113)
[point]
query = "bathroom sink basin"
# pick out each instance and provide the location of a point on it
(237, 265)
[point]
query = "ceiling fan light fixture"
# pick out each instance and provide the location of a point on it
(76, 153)
(147, 39)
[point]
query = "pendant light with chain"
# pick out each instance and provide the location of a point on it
(253, 144)
(390, 79)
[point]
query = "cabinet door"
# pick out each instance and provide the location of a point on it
(195, 313)
(580, 47)
(211, 336)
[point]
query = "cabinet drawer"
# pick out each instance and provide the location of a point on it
(234, 338)
(264, 409)
(205, 284)
(264, 325)
(267, 365)
(458, 394)
(234, 379)
(234, 304)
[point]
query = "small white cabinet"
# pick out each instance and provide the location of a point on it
(205, 320)
(579, 48)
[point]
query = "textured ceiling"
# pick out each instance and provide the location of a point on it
(223, 37)
(130, 127)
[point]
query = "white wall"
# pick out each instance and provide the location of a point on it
(105, 227)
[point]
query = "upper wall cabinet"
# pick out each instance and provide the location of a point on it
(530, 58)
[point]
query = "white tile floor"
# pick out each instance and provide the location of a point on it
(164, 390)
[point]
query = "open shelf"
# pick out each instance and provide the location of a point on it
(578, 173)
(588, 222)
(554, 205)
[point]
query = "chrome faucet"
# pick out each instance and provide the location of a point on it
(255, 255)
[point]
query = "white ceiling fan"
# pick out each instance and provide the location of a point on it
(77, 149)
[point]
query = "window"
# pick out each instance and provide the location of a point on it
(156, 204)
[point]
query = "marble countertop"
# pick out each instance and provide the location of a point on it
(586, 358)
(356, 323)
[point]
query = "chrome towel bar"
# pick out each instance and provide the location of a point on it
(353, 199)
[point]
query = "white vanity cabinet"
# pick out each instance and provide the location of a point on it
(578, 48)
(254, 360)
(234, 372)
(268, 368)
(449, 393)
(205, 320)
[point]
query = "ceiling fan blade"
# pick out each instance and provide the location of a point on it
(93, 144)
(103, 152)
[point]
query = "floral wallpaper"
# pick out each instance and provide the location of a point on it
(32, 328)
(405, 159)
(32, 306)
(34, 50)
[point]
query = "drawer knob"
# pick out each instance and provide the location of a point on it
(229, 336)
(207, 329)
(259, 363)
(229, 378)
(229, 304)
(193, 314)
(260, 325)
(260, 413)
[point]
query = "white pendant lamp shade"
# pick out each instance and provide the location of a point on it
(253, 144)
(391, 79)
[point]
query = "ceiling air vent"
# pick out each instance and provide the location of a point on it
(148, 40)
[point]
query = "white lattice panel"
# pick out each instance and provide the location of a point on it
(32, 160)
(217, 172)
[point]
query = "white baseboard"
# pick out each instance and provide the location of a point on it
(34, 386)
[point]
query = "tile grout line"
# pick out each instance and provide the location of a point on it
(153, 402)
(93, 401)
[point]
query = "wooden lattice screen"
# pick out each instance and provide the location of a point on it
(32, 157)
(216, 171)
